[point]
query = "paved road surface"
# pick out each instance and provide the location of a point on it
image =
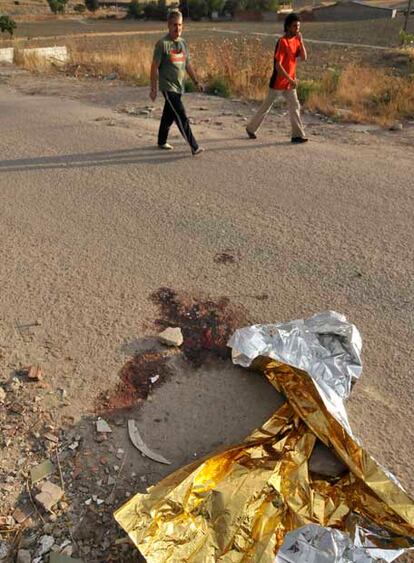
(93, 219)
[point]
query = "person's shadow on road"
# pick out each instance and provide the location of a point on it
(139, 155)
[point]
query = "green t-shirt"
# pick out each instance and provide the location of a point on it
(172, 58)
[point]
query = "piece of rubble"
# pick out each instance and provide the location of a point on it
(154, 379)
(51, 437)
(102, 426)
(111, 481)
(2, 395)
(24, 556)
(35, 373)
(138, 442)
(49, 495)
(4, 550)
(41, 471)
(46, 544)
(172, 336)
(120, 453)
(21, 513)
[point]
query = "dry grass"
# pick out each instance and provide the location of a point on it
(243, 67)
(368, 94)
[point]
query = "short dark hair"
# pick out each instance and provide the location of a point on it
(291, 18)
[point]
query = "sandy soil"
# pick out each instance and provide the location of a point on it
(94, 220)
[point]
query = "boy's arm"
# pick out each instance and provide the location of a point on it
(302, 49)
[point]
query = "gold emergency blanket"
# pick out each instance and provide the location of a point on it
(238, 505)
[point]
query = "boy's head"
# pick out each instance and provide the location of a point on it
(292, 24)
(175, 23)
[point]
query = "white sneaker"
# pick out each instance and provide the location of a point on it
(166, 147)
(198, 151)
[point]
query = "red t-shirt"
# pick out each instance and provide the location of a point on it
(286, 53)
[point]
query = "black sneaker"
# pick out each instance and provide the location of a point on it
(250, 134)
(298, 140)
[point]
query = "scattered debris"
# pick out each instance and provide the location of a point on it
(140, 445)
(171, 336)
(49, 495)
(41, 471)
(103, 426)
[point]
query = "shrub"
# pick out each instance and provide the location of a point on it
(57, 6)
(92, 5)
(135, 9)
(7, 25)
(80, 8)
(219, 86)
(306, 88)
(406, 38)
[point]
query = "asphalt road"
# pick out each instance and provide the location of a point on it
(93, 219)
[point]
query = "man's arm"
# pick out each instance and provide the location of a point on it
(154, 80)
(193, 76)
(302, 49)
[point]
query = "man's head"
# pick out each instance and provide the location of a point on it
(292, 24)
(175, 24)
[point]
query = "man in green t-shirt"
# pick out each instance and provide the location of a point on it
(170, 63)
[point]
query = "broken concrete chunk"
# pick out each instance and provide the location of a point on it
(102, 426)
(141, 446)
(41, 471)
(171, 336)
(24, 556)
(49, 495)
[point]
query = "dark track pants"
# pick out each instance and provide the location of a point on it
(175, 111)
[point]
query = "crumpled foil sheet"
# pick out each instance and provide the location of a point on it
(240, 505)
(316, 544)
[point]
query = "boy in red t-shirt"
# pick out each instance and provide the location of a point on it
(288, 49)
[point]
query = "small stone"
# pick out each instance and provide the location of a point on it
(2, 395)
(102, 426)
(99, 501)
(120, 453)
(51, 438)
(35, 373)
(396, 127)
(49, 496)
(88, 501)
(4, 550)
(154, 379)
(111, 481)
(111, 76)
(46, 543)
(144, 112)
(24, 556)
(143, 478)
(171, 336)
(74, 446)
(22, 513)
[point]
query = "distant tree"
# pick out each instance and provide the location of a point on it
(7, 25)
(135, 9)
(92, 5)
(197, 9)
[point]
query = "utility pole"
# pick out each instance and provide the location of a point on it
(407, 15)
